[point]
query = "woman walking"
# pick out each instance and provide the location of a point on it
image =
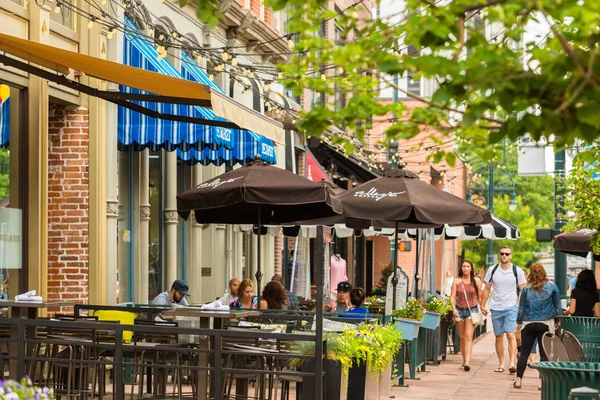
(539, 307)
(465, 298)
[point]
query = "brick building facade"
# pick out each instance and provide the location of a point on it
(68, 203)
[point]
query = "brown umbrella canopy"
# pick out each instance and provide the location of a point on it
(576, 243)
(237, 197)
(401, 196)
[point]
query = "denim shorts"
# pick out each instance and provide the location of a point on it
(505, 321)
(465, 313)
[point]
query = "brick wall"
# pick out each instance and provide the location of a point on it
(68, 194)
(255, 8)
(268, 15)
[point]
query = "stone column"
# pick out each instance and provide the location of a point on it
(112, 215)
(219, 266)
(141, 275)
(171, 217)
(194, 270)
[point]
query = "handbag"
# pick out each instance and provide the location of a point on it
(476, 317)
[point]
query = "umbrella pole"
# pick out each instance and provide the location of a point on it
(259, 273)
(395, 264)
(416, 286)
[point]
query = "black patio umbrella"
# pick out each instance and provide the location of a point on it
(401, 198)
(258, 194)
(576, 243)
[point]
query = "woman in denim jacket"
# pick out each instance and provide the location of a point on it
(539, 307)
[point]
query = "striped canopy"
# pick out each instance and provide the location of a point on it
(194, 142)
(5, 119)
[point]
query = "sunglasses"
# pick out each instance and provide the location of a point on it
(505, 254)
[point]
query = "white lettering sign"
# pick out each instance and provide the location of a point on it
(374, 194)
(224, 133)
(216, 183)
(11, 238)
(267, 150)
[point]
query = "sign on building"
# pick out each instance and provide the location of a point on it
(401, 291)
(11, 238)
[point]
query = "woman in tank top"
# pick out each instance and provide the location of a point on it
(465, 297)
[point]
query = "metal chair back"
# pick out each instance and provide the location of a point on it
(574, 348)
(554, 348)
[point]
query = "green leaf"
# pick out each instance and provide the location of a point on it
(589, 115)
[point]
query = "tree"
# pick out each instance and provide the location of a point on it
(504, 86)
(582, 188)
(524, 250)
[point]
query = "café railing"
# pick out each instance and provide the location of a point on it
(24, 338)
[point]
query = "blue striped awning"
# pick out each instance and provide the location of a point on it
(5, 117)
(248, 145)
(194, 142)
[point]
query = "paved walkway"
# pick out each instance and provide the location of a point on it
(446, 381)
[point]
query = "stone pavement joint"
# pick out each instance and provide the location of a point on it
(447, 382)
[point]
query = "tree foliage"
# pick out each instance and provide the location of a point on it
(582, 193)
(488, 89)
(524, 250)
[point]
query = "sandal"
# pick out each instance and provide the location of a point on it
(517, 385)
(499, 369)
(467, 368)
(512, 370)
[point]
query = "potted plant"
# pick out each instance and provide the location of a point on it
(434, 308)
(365, 355)
(408, 318)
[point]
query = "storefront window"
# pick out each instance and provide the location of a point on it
(155, 264)
(62, 13)
(125, 223)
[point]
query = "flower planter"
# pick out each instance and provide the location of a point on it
(431, 320)
(408, 327)
(333, 378)
(364, 386)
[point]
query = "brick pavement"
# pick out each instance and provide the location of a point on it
(447, 381)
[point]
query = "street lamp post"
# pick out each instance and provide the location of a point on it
(491, 189)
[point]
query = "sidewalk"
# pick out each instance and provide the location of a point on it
(447, 381)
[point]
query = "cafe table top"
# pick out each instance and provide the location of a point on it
(198, 312)
(35, 304)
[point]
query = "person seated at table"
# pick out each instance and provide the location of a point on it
(179, 291)
(246, 297)
(342, 302)
(357, 298)
(273, 297)
(584, 298)
(292, 299)
(232, 295)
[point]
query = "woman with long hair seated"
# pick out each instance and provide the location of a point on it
(273, 297)
(539, 307)
(246, 297)
(584, 298)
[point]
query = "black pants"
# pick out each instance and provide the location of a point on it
(528, 336)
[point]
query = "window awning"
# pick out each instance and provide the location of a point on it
(142, 131)
(165, 89)
(246, 148)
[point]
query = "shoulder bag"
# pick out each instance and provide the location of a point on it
(476, 317)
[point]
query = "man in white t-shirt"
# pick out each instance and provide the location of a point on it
(506, 280)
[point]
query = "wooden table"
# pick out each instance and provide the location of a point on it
(205, 317)
(29, 310)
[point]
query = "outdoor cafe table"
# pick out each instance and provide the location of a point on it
(204, 316)
(29, 310)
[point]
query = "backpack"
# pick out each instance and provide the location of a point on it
(514, 268)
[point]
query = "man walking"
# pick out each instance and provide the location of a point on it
(506, 280)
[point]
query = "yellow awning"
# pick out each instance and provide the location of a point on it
(62, 61)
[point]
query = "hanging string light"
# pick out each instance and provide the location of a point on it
(90, 24)
(267, 86)
(234, 61)
(57, 8)
(225, 55)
